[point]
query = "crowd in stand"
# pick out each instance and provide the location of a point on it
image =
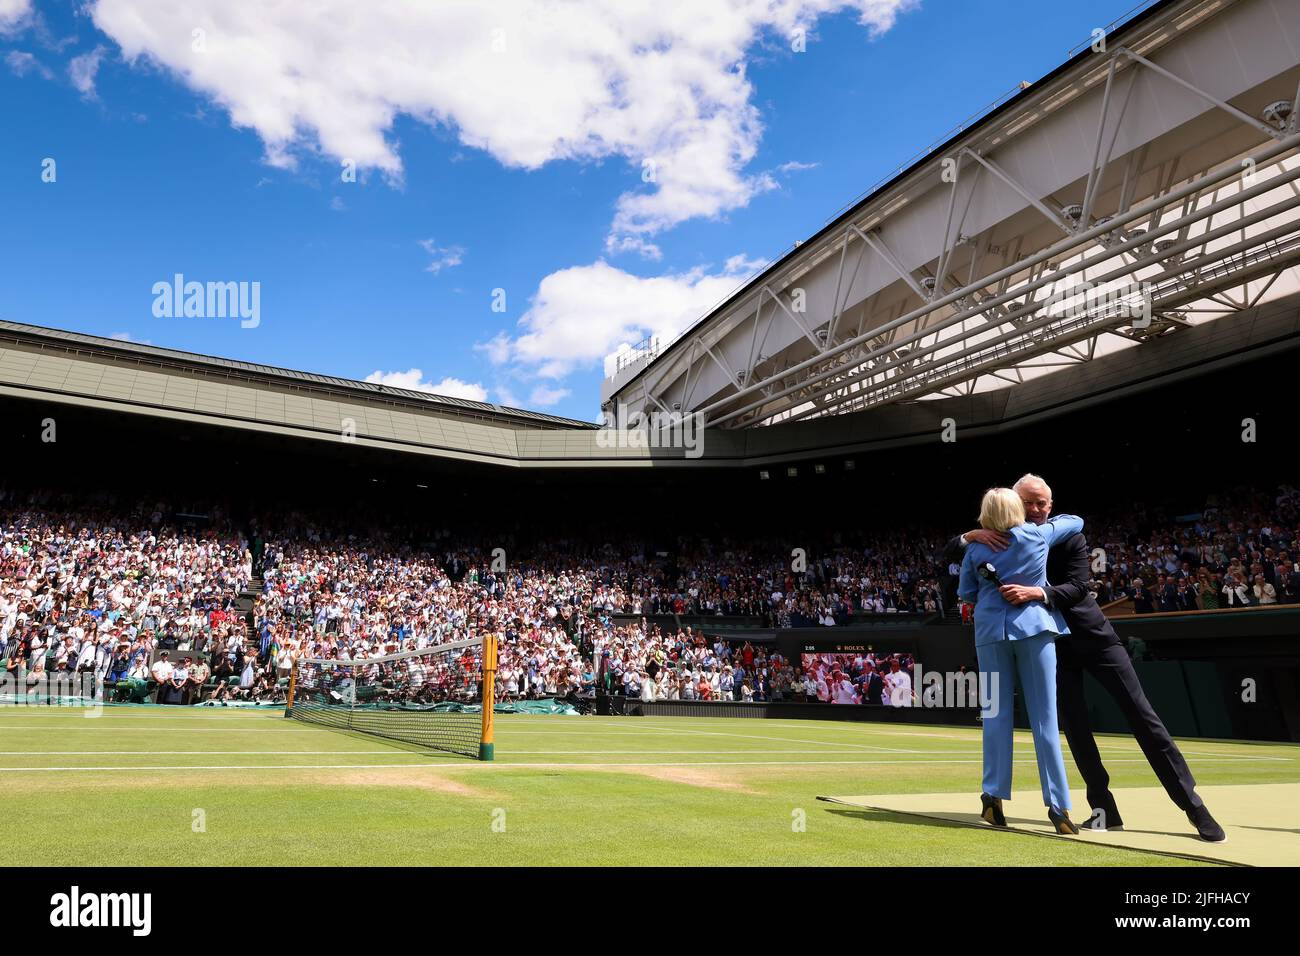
(100, 591)
(328, 596)
(640, 660)
(104, 589)
(643, 662)
(1239, 551)
(784, 587)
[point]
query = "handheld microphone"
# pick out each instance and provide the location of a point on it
(990, 574)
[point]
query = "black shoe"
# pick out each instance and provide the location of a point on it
(992, 810)
(1099, 822)
(1105, 816)
(1206, 827)
(1062, 822)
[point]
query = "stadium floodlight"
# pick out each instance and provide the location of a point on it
(819, 468)
(792, 472)
(764, 474)
(439, 697)
(849, 464)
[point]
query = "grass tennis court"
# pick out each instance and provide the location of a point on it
(163, 786)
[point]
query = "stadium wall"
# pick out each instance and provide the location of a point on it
(1228, 675)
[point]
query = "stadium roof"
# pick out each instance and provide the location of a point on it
(43, 371)
(151, 356)
(1085, 214)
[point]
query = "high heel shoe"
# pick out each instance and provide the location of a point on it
(1062, 822)
(991, 811)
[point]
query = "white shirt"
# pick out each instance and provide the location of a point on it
(898, 687)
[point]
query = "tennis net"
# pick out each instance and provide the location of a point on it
(431, 697)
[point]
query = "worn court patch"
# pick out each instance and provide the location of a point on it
(423, 778)
(1258, 818)
(690, 776)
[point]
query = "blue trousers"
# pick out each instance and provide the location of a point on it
(1034, 660)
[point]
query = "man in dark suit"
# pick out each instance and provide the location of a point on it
(1169, 596)
(1093, 646)
(870, 685)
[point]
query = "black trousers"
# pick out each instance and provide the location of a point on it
(1114, 671)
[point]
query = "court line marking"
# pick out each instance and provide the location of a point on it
(273, 753)
(784, 740)
(867, 748)
(193, 753)
(508, 766)
(864, 727)
(512, 752)
(320, 728)
(168, 724)
(974, 734)
(184, 730)
(668, 731)
(106, 712)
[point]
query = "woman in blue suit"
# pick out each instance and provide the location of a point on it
(1012, 639)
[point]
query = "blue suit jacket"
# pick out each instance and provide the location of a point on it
(1023, 562)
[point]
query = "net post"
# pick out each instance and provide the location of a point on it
(487, 744)
(293, 680)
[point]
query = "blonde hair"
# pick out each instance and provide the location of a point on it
(1001, 510)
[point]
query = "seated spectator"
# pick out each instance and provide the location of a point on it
(177, 684)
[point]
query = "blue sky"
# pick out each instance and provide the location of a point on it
(494, 150)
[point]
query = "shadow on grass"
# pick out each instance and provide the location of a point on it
(889, 816)
(973, 821)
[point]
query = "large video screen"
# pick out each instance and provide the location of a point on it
(867, 677)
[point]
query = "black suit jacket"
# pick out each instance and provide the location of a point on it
(1068, 570)
(871, 688)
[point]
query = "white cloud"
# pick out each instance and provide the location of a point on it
(22, 63)
(648, 250)
(82, 70)
(794, 166)
(497, 348)
(544, 396)
(442, 258)
(336, 204)
(414, 379)
(126, 337)
(528, 81)
(14, 15)
(580, 315)
(743, 266)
